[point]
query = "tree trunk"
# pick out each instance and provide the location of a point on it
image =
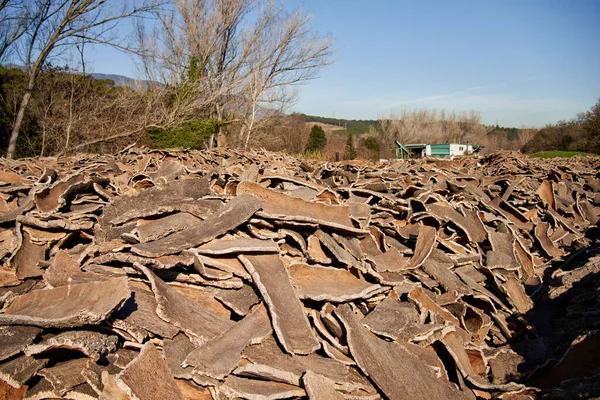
(14, 135)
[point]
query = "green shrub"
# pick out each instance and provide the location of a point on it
(192, 134)
(350, 153)
(372, 144)
(317, 139)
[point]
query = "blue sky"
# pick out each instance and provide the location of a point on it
(527, 62)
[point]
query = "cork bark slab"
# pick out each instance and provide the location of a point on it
(68, 306)
(229, 217)
(289, 321)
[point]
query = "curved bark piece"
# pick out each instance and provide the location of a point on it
(65, 375)
(328, 284)
(390, 317)
(319, 387)
(93, 344)
(470, 224)
(253, 389)
(140, 312)
(455, 346)
(230, 216)
(289, 321)
(19, 370)
(219, 356)
(503, 251)
(26, 260)
(50, 199)
(541, 234)
(13, 339)
(148, 377)
(396, 371)
(234, 246)
(68, 306)
(182, 195)
(185, 314)
(240, 301)
(281, 206)
(159, 228)
(425, 244)
(546, 193)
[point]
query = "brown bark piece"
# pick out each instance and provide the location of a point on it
(13, 339)
(95, 345)
(328, 284)
(64, 270)
(219, 356)
(541, 234)
(240, 301)
(19, 370)
(191, 391)
(281, 206)
(390, 261)
(252, 389)
(140, 312)
(455, 346)
(7, 392)
(50, 199)
(424, 302)
(517, 295)
(390, 317)
(396, 371)
(503, 251)
(425, 244)
(68, 306)
(26, 261)
(229, 217)
(243, 245)
(319, 387)
(289, 321)
(65, 375)
(183, 195)
(269, 362)
(470, 224)
(546, 193)
(442, 273)
(148, 377)
(188, 316)
(176, 350)
(159, 228)
(341, 254)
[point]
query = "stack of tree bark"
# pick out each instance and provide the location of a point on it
(179, 274)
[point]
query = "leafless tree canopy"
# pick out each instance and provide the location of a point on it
(432, 126)
(54, 27)
(240, 59)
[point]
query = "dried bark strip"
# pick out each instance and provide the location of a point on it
(234, 246)
(14, 339)
(182, 195)
(289, 321)
(68, 306)
(281, 206)
(229, 217)
(93, 344)
(219, 356)
(148, 377)
(395, 370)
(328, 284)
(188, 316)
(425, 244)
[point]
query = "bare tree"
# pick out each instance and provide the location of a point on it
(60, 24)
(14, 19)
(235, 57)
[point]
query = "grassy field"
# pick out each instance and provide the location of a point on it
(559, 153)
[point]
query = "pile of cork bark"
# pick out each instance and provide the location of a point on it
(196, 275)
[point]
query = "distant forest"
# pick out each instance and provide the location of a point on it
(353, 126)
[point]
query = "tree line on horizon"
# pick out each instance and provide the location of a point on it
(215, 73)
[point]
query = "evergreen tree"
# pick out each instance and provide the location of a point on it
(350, 150)
(317, 139)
